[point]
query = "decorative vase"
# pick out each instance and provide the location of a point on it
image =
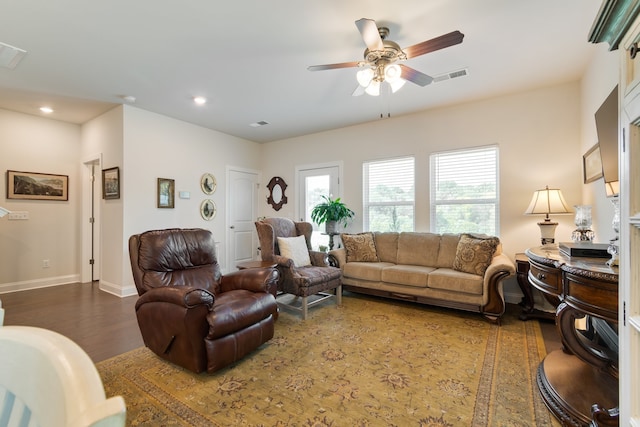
(583, 221)
(330, 227)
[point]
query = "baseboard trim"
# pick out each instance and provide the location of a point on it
(117, 290)
(39, 283)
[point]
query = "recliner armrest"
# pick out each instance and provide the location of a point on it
(252, 279)
(183, 296)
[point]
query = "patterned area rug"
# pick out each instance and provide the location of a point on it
(371, 362)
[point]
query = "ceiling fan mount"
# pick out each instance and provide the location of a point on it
(381, 56)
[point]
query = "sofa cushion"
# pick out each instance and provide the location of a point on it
(296, 249)
(387, 246)
(456, 281)
(409, 275)
(418, 248)
(365, 270)
(474, 253)
(448, 248)
(360, 247)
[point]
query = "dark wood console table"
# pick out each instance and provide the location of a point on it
(579, 384)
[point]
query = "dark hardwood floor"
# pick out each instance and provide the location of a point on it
(105, 325)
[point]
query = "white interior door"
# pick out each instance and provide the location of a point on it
(242, 198)
(91, 203)
(313, 183)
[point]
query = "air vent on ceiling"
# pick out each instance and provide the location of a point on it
(258, 124)
(10, 56)
(451, 75)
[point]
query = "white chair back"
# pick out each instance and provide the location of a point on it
(48, 380)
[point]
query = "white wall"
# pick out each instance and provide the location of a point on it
(34, 144)
(538, 133)
(597, 83)
(156, 146)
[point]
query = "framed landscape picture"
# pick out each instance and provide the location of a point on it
(37, 186)
(111, 183)
(166, 193)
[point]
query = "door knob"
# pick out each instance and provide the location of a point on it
(232, 227)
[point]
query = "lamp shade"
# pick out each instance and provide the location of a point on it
(3, 212)
(547, 201)
(612, 188)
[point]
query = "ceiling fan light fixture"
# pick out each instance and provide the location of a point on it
(396, 84)
(392, 73)
(365, 76)
(374, 88)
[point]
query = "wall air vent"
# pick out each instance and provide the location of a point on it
(258, 124)
(10, 56)
(451, 75)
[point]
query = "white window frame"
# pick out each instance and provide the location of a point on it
(435, 180)
(367, 203)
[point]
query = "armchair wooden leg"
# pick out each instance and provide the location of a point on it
(305, 308)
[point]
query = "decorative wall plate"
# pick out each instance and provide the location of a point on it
(208, 183)
(208, 209)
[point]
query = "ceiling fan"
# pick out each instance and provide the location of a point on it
(381, 59)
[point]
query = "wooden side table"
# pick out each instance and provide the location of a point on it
(528, 304)
(256, 264)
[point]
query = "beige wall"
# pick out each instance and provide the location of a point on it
(33, 144)
(538, 133)
(542, 135)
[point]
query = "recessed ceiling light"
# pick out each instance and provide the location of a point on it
(46, 110)
(200, 100)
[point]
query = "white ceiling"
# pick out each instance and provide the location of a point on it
(250, 57)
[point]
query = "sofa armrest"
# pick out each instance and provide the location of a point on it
(340, 257)
(252, 279)
(500, 268)
(318, 259)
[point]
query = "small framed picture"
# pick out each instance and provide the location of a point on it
(208, 209)
(208, 183)
(166, 193)
(111, 183)
(592, 163)
(37, 186)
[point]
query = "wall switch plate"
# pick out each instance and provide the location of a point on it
(184, 195)
(15, 215)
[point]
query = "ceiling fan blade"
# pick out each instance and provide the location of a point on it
(446, 40)
(415, 76)
(369, 30)
(358, 91)
(333, 66)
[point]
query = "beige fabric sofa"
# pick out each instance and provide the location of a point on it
(449, 270)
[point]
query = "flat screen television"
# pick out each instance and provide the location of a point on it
(607, 129)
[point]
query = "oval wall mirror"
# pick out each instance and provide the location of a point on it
(277, 198)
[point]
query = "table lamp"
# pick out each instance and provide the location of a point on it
(547, 201)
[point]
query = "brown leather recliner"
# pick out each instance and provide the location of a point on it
(188, 312)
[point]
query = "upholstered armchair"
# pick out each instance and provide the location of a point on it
(303, 272)
(188, 312)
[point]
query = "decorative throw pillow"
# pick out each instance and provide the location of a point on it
(474, 253)
(295, 248)
(360, 247)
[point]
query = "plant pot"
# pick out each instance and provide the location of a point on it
(330, 227)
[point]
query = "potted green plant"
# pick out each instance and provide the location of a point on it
(331, 212)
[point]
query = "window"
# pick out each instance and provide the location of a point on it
(389, 195)
(464, 191)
